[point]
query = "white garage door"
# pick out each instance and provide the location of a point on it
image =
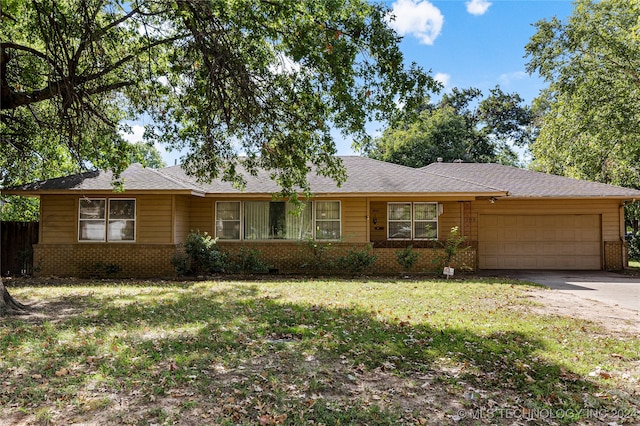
(539, 242)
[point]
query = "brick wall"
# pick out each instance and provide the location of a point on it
(294, 257)
(104, 260)
(154, 260)
(615, 255)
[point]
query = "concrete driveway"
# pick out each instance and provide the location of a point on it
(606, 287)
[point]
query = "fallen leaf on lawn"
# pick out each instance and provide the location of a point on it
(62, 372)
(605, 375)
(36, 376)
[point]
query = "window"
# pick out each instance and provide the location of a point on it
(91, 220)
(277, 220)
(228, 220)
(425, 221)
(328, 223)
(115, 223)
(399, 218)
(408, 221)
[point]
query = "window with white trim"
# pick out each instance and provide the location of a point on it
(328, 220)
(399, 221)
(278, 220)
(112, 220)
(425, 221)
(412, 221)
(228, 220)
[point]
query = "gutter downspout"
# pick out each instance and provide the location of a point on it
(625, 259)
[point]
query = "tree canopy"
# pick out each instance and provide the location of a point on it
(461, 126)
(265, 80)
(591, 125)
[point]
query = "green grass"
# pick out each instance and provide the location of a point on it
(634, 264)
(301, 351)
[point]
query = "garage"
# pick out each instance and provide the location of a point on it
(562, 241)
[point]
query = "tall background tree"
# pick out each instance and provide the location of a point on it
(461, 126)
(590, 128)
(268, 79)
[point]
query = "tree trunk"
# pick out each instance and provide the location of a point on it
(8, 304)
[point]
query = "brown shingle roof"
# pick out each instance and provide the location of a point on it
(527, 183)
(365, 175)
(135, 178)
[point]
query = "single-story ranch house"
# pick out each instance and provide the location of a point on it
(511, 218)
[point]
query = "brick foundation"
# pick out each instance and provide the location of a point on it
(104, 260)
(615, 255)
(293, 257)
(154, 260)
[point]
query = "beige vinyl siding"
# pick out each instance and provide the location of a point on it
(354, 219)
(182, 204)
(449, 218)
(202, 215)
(154, 219)
(59, 219)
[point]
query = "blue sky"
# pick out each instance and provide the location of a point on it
(465, 43)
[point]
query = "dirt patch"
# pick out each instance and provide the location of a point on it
(612, 318)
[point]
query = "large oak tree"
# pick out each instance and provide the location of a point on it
(262, 79)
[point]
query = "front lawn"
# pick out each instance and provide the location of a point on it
(308, 352)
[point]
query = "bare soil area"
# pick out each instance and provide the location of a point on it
(612, 318)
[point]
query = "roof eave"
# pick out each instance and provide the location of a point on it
(36, 193)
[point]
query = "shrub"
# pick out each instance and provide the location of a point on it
(180, 262)
(204, 256)
(250, 261)
(316, 255)
(357, 261)
(634, 246)
(451, 248)
(407, 258)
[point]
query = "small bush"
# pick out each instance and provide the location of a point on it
(634, 246)
(250, 261)
(357, 261)
(204, 256)
(407, 258)
(451, 248)
(317, 256)
(180, 262)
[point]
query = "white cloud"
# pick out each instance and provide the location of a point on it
(477, 7)
(508, 78)
(136, 134)
(285, 65)
(418, 18)
(443, 78)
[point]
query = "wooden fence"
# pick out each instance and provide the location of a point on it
(16, 247)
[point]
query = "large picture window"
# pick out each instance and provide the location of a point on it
(107, 220)
(412, 221)
(277, 220)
